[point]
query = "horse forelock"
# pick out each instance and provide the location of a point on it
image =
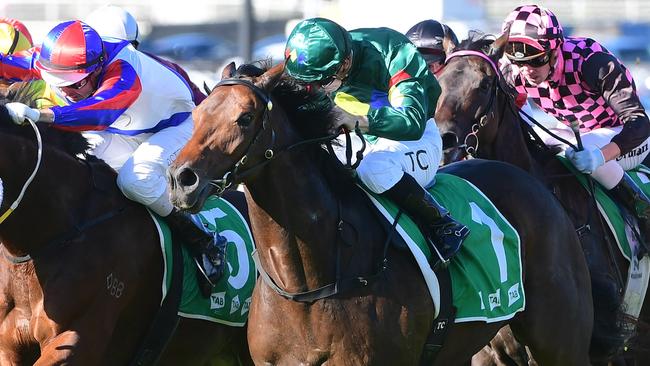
(72, 143)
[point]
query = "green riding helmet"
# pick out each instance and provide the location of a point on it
(315, 49)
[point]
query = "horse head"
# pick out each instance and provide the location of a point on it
(231, 130)
(467, 111)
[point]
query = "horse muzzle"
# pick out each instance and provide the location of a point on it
(187, 189)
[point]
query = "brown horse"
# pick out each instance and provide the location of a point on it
(334, 294)
(476, 114)
(80, 265)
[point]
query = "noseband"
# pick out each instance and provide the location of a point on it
(482, 120)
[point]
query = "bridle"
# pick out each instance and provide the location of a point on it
(235, 173)
(482, 119)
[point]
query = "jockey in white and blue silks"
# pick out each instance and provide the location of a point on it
(135, 112)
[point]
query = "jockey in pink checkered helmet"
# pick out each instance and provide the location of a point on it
(587, 89)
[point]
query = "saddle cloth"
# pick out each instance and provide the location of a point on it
(486, 274)
(230, 299)
(639, 270)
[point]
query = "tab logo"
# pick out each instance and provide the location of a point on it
(235, 304)
(513, 294)
(246, 306)
(217, 300)
(494, 299)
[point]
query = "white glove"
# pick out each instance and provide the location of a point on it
(586, 160)
(20, 112)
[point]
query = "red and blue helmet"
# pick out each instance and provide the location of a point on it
(70, 52)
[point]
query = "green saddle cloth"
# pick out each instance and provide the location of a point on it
(230, 299)
(608, 208)
(486, 274)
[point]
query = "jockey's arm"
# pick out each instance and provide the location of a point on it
(604, 74)
(410, 89)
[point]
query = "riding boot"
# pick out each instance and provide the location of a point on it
(208, 247)
(635, 200)
(444, 234)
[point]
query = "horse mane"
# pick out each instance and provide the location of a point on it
(476, 41)
(72, 143)
(309, 114)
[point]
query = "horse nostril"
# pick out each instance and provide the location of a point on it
(449, 140)
(187, 178)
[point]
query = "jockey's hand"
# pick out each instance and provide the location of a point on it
(348, 120)
(20, 112)
(586, 160)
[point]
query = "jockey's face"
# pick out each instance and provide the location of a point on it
(83, 88)
(335, 82)
(537, 70)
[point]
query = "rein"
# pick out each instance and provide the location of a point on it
(39, 157)
(76, 230)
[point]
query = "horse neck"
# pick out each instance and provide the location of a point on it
(294, 215)
(50, 204)
(509, 144)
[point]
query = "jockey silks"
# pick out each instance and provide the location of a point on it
(135, 95)
(591, 86)
(390, 83)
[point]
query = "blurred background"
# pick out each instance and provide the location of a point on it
(204, 35)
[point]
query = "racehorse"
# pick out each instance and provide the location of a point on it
(335, 293)
(81, 265)
(477, 116)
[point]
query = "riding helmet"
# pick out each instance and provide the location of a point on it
(315, 49)
(533, 30)
(70, 52)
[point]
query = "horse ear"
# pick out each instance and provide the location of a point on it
(228, 71)
(270, 79)
(499, 45)
(449, 44)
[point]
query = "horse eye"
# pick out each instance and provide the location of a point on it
(245, 119)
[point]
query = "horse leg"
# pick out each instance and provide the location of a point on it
(198, 342)
(558, 319)
(464, 340)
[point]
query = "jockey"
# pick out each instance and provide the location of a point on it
(576, 80)
(377, 79)
(432, 39)
(115, 23)
(136, 114)
(15, 37)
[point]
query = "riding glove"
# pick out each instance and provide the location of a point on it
(586, 160)
(20, 112)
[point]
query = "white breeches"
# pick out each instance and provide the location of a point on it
(385, 161)
(141, 162)
(610, 173)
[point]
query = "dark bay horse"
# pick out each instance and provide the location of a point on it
(334, 295)
(476, 114)
(81, 265)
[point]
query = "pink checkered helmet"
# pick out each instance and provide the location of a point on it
(533, 29)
